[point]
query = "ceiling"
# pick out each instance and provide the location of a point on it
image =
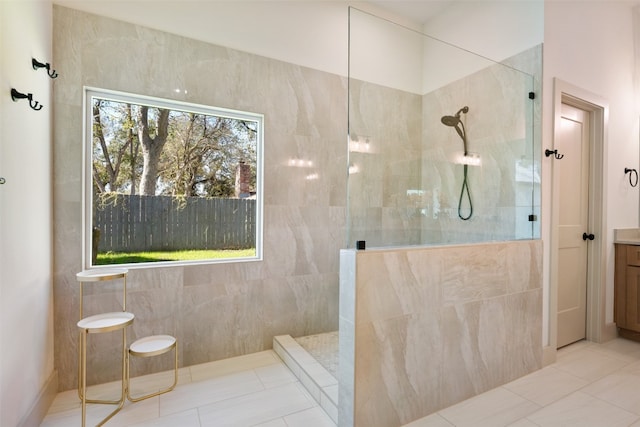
(418, 11)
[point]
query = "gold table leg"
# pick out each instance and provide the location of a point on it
(82, 390)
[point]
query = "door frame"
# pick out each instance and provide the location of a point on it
(598, 109)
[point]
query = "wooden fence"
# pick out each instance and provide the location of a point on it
(162, 223)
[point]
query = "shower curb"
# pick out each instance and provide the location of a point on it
(320, 384)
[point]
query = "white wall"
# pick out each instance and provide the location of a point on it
(308, 33)
(26, 303)
(314, 33)
(495, 29)
(591, 45)
(487, 30)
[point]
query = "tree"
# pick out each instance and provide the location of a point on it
(192, 139)
(115, 150)
(202, 153)
(160, 151)
(151, 147)
(134, 148)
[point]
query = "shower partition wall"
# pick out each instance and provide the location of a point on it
(407, 169)
(446, 301)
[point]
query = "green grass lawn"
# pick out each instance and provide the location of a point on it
(195, 255)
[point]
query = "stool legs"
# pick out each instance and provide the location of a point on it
(83, 375)
(146, 396)
(82, 390)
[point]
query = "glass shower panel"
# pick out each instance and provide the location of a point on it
(441, 147)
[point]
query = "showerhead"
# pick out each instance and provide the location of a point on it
(454, 120)
(450, 120)
(456, 123)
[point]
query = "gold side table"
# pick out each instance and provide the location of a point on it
(102, 323)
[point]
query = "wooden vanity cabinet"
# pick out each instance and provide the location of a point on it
(627, 290)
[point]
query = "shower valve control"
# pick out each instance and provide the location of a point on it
(586, 236)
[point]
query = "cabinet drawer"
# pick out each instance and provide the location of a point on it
(633, 255)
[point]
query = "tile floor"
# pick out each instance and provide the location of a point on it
(595, 385)
(252, 390)
(590, 385)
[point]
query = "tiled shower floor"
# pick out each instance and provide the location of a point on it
(323, 348)
(321, 384)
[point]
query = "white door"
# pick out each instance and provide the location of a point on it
(571, 179)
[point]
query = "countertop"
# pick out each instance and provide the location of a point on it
(627, 236)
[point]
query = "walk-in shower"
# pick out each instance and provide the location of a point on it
(445, 302)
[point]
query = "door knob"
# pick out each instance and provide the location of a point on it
(586, 236)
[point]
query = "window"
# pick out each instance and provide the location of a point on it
(170, 182)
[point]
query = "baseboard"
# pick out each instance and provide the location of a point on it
(609, 332)
(549, 355)
(43, 402)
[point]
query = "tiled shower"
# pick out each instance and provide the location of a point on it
(445, 300)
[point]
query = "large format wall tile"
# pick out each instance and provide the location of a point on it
(217, 310)
(428, 327)
(474, 351)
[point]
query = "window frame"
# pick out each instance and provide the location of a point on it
(89, 93)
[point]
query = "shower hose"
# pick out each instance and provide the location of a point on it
(465, 188)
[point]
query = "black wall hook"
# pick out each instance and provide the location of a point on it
(632, 174)
(15, 95)
(555, 153)
(36, 64)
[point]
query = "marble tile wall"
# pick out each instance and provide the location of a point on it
(218, 310)
(424, 328)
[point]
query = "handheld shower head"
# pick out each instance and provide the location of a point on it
(453, 121)
(456, 123)
(450, 120)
